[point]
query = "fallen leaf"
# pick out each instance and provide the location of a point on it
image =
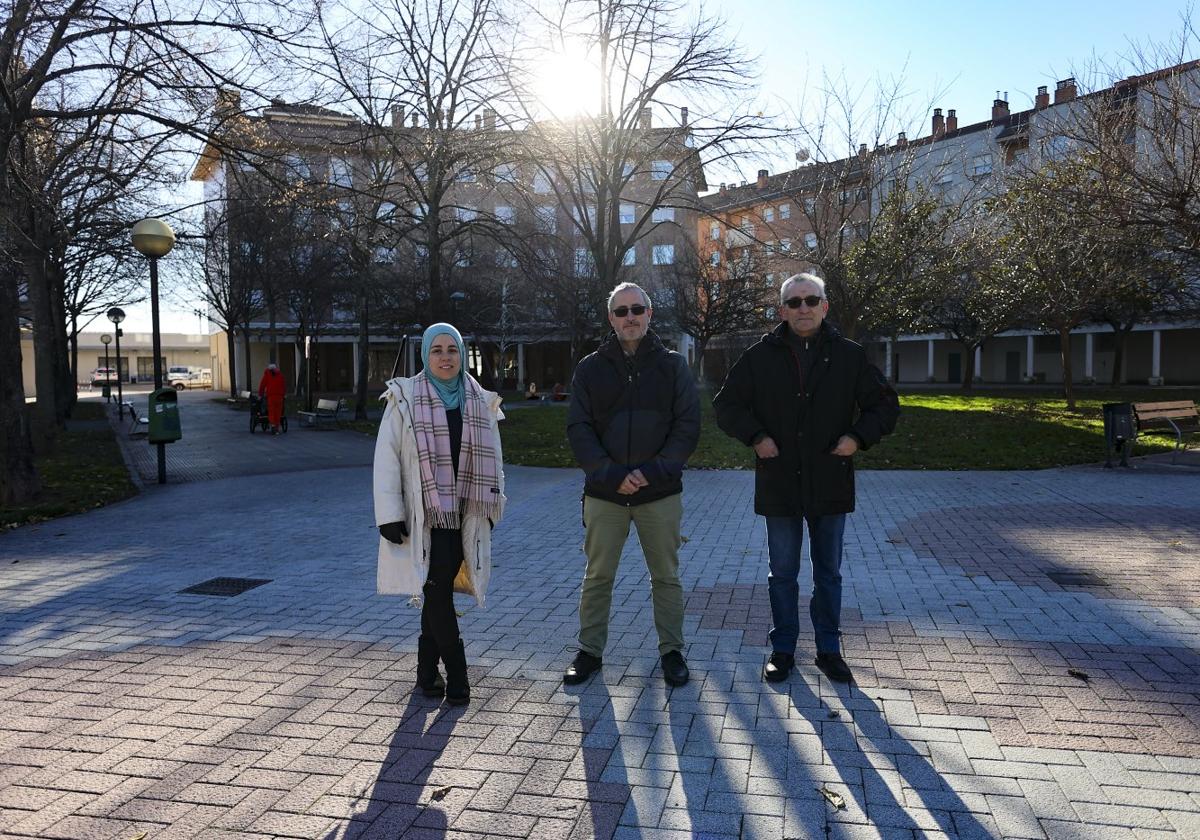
(834, 713)
(440, 793)
(1079, 675)
(141, 836)
(835, 799)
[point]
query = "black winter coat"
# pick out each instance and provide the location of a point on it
(633, 413)
(845, 395)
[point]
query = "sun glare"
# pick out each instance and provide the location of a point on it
(567, 85)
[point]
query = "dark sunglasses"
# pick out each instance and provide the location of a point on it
(812, 302)
(636, 309)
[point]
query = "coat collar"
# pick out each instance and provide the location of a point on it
(778, 336)
(401, 389)
(649, 345)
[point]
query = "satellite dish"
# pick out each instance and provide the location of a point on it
(801, 155)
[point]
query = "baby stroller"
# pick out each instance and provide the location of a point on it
(260, 418)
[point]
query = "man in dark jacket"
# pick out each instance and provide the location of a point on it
(633, 422)
(806, 399)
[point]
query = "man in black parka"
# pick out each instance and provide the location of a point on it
(806, 399)
(633, 423)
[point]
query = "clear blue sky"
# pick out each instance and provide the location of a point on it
(950, 54)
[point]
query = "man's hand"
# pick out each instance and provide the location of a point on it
(766, 448)
(633, 482)
(847, 445)
(394, 532)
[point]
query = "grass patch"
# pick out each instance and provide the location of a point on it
(1000, 430)
(84, 471)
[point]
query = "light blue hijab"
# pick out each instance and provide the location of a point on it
(451, 392)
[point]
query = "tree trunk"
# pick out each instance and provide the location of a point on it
(246, 347)
(45, 360)
(698, 365)
(19, 482)
(233, 388)
(73, 340)
(364, 356)
(1120, 335)
(1064, 344)
(969, 368)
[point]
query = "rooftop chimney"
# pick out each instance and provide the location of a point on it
(644, 118)
(414, 120)
(478, 121)
(902, 139)
(397, 116)
(683, 116)
(862, 149)
(1064, 91)
(951, 120)
(489, 119)
(762, 179)
(1042, 100)
(722, 189)
(1000, 107)
(939, 123)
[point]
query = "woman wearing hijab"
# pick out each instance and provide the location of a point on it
(273, 387)
(439, 489)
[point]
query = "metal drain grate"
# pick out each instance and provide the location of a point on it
(1076, 579)
(225, 587)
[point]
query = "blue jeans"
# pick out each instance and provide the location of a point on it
(785, 541)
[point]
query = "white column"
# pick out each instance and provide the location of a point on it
(520, 367)
(1029, 358)
(238, 365)
(1089, 348)
(929, 372)
(978, 375)
(298, 358)
(887, 361)
(1156, 358)
(354, 365)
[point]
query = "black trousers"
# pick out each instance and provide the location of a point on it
(438, 618)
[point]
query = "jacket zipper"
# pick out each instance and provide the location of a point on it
(629, 425)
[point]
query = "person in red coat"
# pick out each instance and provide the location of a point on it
(273, 388)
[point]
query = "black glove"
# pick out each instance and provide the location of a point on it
(394, 532)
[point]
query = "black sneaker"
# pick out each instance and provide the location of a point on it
(833, 666)
(675, 669)
(779, 666)
(583, 667)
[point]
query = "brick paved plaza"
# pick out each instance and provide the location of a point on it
(287, 711)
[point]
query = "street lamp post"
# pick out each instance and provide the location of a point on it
(106, 340)
(153, 238)
(117, 315)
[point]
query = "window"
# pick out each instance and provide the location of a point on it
(583, 262)
(630, 257)
(541, 183)
(663, 255)
(505, 173)
(810, 206)
(462, 258)
(714, 258)
(626, 170)
(339, 173)
(785, 211)
(420, 173)
(466, 176)
(385, 211)
(505, 215)
(714, 231)
(944, 182)
(810, 242)
(506, 259)
(663, 214)
(660, 170)
(384, 254)
(981, 165)
(297, 166)
(1056, 147)
(546, 219)
(769, 214)
(466, 214)
(769, 246)
(626, 214)
(577, 215)
(747, 226)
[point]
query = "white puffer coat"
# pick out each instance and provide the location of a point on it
(402, 569)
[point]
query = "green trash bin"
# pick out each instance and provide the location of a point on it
(164, 416)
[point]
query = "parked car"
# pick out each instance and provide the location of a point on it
(104, 376)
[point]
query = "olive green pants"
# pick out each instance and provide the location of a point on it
(607, 530)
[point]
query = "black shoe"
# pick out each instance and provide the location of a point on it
(428, 679)
(583, 667)
(458, 690)
(675, 670)
(833, 666)
(779, 666)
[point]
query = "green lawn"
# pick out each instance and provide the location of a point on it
(85, 471)
(937, 431)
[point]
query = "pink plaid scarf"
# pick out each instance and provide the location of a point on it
(477, 491)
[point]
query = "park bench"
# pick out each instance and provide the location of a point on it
(242, 398)
(138, 426)
(326, 412)
(1181, 416)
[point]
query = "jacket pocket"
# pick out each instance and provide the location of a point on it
(833, 479)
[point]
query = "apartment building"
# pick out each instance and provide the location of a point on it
(508, 213)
